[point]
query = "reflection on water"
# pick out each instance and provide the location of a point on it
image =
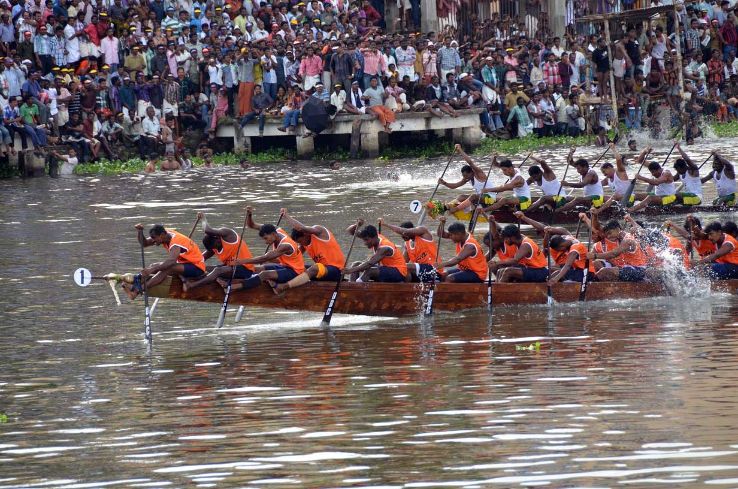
(622, 392)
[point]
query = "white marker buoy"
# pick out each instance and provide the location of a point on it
(416, 207)
(82, 277)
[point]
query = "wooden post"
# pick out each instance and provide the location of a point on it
(612, 74)
(678, 64)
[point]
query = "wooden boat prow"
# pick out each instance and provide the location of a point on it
(406, 299)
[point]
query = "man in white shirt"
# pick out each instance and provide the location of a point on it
(151, 136)
(338, 97)
(72, 42)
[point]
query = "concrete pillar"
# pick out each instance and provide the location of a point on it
(391, 12)
(471, 137)
(456, 134)
(305, 146)
(557, 16)
(370, 144)
(428, 16)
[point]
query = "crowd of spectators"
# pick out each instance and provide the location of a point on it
(101, 76)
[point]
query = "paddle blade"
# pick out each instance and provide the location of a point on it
(429, 304)
(329, 310)
(626, 197)
(147, 324)
(583, 288)
(239, 314)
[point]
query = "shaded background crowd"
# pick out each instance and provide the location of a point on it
(102, 78)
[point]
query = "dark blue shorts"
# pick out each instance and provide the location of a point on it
(426, 273)
(332, 274)
(723, 271)
(389, 274)
(284, 274)
(191, 271)
(575, 275)
(242, 272)
(464, 276)
(632, 274)
(534, 274)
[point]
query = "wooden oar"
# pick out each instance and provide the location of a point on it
(480, 196)
(597, 162)
(147, 319)
(585, 273)
(525, 160)
(332, 302)
(626, 197)
(224, 307)
(489, 290)
(431, 292)
(438, 184)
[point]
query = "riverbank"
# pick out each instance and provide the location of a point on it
(408, 151)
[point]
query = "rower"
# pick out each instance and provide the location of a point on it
(497, 247)
(624, 258)
(323, 249)
(222, 243)
(693, 229)
(689, 174)
(617, 178)
(724, 261)
(545, 178)
(548, 232)
(284, 251)
(665, 191)
(656, 243)
(529, 262)
(573, 260)
(386, 264)
(470, 261)
(184, 258)
(515, 182)
(421, 252)
(472, 174)
(589, 182)
(723, 173)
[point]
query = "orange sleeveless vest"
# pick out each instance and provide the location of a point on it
(395, 260)
(476, 263)
(294, 260)
(190, 252)
(228, 253)
(537, 258)
(731, 257)
(327, 253)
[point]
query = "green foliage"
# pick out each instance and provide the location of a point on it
(3, 418)
(531, 143)
(107, 167)
(726, 130)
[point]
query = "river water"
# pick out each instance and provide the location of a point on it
(638, 393)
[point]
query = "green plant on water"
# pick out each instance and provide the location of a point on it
(3, 418)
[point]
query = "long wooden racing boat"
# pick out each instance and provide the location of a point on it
(572, 217)
(386, 299)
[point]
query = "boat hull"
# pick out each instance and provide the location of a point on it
(387, 299)
(544, 215)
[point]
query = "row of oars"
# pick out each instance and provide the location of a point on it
(476, 211)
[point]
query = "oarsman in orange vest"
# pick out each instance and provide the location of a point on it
(497, 247)
(421, 251)
(574, 261)
(657, 245)
(470, 259)
(284, 251)
(626, 253)
(184, 258)
(223, 243)
(320, 244)
(529, 262)
(724, 261)
(693, 229)
(386, 264)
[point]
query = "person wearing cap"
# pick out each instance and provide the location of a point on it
(171, 22)
(24, 48)
(449, 60)
(135, 61)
